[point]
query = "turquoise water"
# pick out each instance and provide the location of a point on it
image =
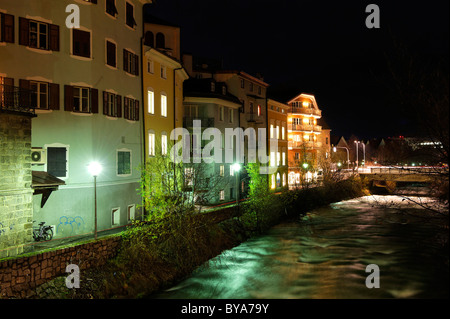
(324, 255)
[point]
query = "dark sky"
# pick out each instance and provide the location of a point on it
(318, 47)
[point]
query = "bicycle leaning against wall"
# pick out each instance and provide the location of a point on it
(42, 232)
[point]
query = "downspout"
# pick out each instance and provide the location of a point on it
(142, 139)
(174, 122)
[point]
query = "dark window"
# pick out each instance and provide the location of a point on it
(112, 104)
(130, 15)
(131, 109)
(130, 62)
(57, 161)
(81, 43)
(111, 54)
(38, 35)
(6, 28)
(123, 162)
(160, 40)
(111, 7)
(149, 39)
(80, 99)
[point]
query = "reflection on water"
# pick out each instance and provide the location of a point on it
(325, 254)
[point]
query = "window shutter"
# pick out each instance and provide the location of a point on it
(94, 100)
(7, 28)
(136, 65)
(24, 25)
(68, 98)
(126, 108)
(53, 37)
(53, 96)
(25, 98)
(111, 54)
(118, 106)
(136, 113)
(125, 60)
(105, 103)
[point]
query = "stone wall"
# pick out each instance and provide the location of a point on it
(16, 195)
(21, 277)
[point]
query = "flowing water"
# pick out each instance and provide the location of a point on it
(325, 253)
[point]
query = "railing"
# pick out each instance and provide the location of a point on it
(305, 128)
(407, 170)
(307, 144)
(305, 111)
(253, 117)
(13, 98)
(206, 121)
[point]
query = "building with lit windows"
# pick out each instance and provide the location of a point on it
(85, 85)
(305, 146)
(277, 117)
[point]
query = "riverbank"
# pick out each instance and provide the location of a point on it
(153, 257)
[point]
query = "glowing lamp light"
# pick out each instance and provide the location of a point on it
(305, 165)
(339, 164)
(236, 167)
(305, 104)
(94, 168)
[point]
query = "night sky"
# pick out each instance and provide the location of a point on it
(318, 47)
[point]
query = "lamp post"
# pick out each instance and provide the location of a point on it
(236, 169)
(364, 154)
(94, 169)
(348, 154)
(356, 143)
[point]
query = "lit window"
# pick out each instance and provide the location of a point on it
(273, 181)
(163, 105)
(221, 113)
(284, 158)
(305, 104)
(222, 170)
(278, 158)
(151, 144)
(278, 132)
(272, 158)
(164, 143)
(222, 195)
(271, 130)
(259, 110)
(151, 102)
(282, 132)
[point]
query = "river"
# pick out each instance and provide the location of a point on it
(325, 253)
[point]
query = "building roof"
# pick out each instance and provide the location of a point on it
(148, 18)
(202, 88)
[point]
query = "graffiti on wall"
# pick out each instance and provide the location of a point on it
(70, 225)
(4, 228)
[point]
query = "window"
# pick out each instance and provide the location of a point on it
(221, 113)
(284, 158)
(130, 109)
(129, 9)
(111, 7)
(326, 140)
(278, 158)
(112, 104)
(130, 62)
(259, 110)
(221, 170)
(222, 195)
(6, 28)
(213, 87)
(57, 161)
(259, 90)
(160, 41)
(282, 132)
(151, 102)
(296, 156)
(151, 143)
(251, 86)
(224, 90)
(111, 54)
(189, 176)
(36, 34)
(230, 115)
(131, 212)
(115, 216)
(149, 39)
(278, 132)
(164, 105)
(273, 181)
(163, 72)
(271, 130)
(242, 83)
(150, 66)
(231, 170)
(272, 158)
(284, 179)
(39, 95)
(81, 99)
(124, 162)
(163, 143)
(81, 43)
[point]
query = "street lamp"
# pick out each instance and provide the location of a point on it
(305, 165)
(356, 143)
(348, 154)
(236, 169)
(95, 169)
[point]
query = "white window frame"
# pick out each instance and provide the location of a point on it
(150, 66)
(163, 104)
(46, 146)
(133, 215)
(115, 210)
(38, 34)
(222, 195)
(80, 91)
(163, 72)
(164, 143)
(151, 101)
(38, 93)
(117, 161)
(221, 170)
(151, 143)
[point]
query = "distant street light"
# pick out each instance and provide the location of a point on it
(348, 154)
(356, 143)
(305, 165)
(95, 169)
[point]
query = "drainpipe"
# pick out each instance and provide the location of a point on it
(174, 122)
(142, 139)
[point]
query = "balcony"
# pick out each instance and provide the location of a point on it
(305, 145)
(304, 128)
(253, 117)
(15, 99)
(305, 111)
(206, 121)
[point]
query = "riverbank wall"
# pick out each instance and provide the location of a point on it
(143, 261)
